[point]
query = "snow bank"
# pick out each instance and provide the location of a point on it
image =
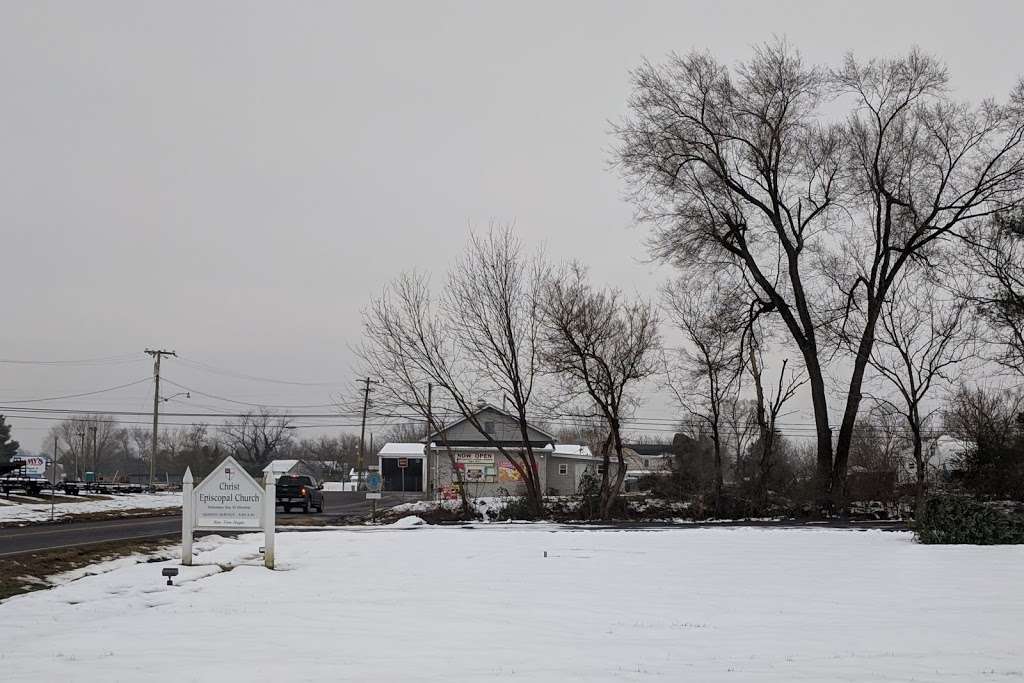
(39, 512)
(481, 506)
(451, 603)
(408, 522)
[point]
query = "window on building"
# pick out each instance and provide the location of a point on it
(563, 468)
(600, 469)
(489, 426)
(647, 463)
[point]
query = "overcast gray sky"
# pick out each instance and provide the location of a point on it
(234, 180)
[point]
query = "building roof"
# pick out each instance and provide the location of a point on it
(280, 466)
(649, 448)
(402, 449)
(566, 450)
(485, 407)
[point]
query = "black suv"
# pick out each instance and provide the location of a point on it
(299, 491)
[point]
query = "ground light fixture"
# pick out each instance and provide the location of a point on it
(170, 572)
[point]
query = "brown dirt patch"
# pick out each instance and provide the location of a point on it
(28, 572)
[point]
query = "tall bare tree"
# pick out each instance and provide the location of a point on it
(600, 347)
(704, 377)
(481, 339)
(923, 338)
(75, 449)
(405, 349)
(745, 168)
(254, 437)
(998, 255)
(493, 309)
(768, 407)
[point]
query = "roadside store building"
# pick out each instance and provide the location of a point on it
(486, 471)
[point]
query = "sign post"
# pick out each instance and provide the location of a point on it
(373, 484)
(403, 463)
(228, 499)
(270, 508)
(186, 517)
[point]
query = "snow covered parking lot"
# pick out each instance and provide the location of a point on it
(455, 604)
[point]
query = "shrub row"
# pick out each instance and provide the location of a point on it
(965, 520)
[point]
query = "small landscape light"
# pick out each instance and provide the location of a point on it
(169, 572)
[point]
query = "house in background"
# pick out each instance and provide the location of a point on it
(485, 470)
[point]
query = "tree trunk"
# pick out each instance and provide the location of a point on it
(853, 399)
(719, 479)
(609, 491)
(919, 467)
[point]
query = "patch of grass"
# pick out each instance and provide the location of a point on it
(28, 572)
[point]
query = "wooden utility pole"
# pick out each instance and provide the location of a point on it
(157, 354)
(95, 456)
(53, 476)
(362, 433)
(426, 446)
(78, 477)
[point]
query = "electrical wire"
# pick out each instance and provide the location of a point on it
(87, 393)
(246, 403)
(107, 360)
(238, 375)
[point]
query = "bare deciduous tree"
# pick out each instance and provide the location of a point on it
(998, 254)
(921, 340)
(704, 377)
(600, 347)
(768, 408)
(492, 306)
(743, 168)
(406, 351)
(254, 437)
(76, 450)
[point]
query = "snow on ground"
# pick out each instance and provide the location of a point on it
(481, 505)
(448, 603)
(40, 512)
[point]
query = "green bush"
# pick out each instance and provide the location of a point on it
(516, 508)
(964, 520)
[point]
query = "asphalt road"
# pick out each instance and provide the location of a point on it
(33, 538)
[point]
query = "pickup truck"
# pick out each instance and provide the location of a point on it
(299, 490)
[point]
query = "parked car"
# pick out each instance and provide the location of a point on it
(299, 490)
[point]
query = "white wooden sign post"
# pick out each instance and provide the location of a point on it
(228, 500)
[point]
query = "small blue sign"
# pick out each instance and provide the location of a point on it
(373, 481)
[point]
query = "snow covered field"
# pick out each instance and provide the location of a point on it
(456, 604)
(40, 512)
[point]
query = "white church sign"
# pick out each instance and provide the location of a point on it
(228, 500)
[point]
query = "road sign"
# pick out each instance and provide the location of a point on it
(228, 499)
(403, 462)
(373, 481)
(373, 496)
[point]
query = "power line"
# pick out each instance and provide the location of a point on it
(238, 375)
(107, 360)
(87, 393)
(249, 403)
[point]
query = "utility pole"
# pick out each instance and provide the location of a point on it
(78, 477)
(53, 476)
(95, 456)
(430, 429)
(156, 354)
(362, 433)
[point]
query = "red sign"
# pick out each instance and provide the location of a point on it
(403, 463)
